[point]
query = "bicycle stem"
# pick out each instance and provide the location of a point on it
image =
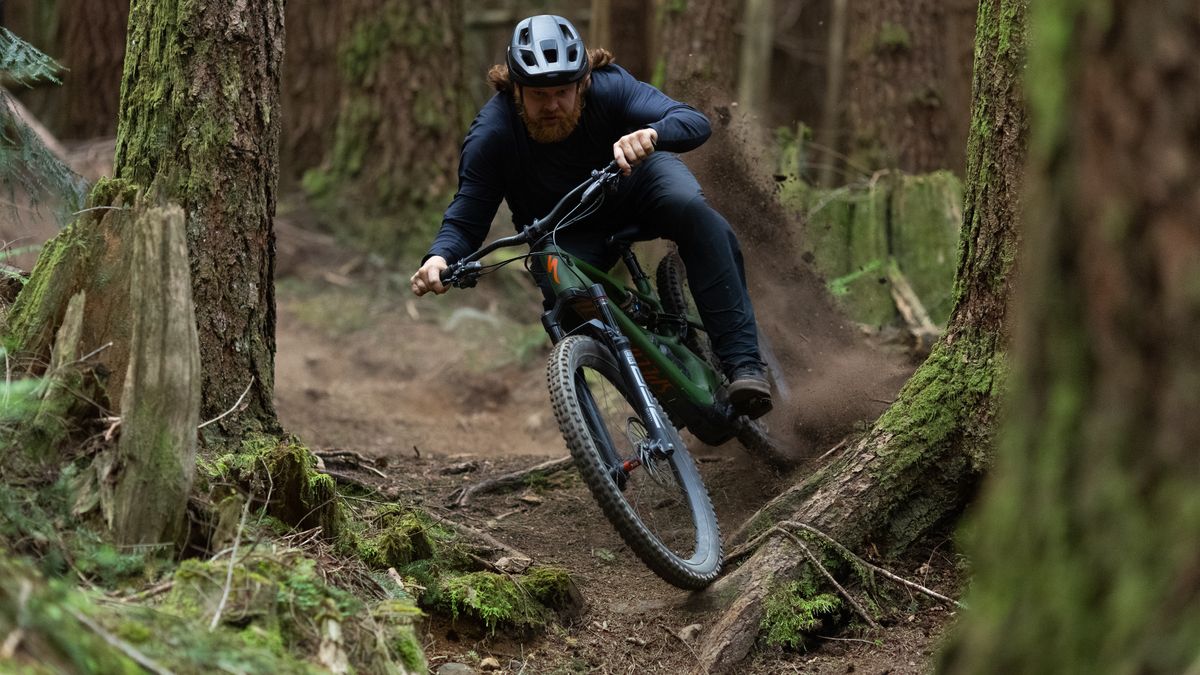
(660, 439)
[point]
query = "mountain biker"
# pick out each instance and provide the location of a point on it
(560, 112)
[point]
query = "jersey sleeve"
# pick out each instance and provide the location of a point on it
(481, 184)
(680, 127)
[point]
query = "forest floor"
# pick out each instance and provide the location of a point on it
(450, 391)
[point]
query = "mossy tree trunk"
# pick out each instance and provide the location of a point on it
(1085, 547)
(199, 126)
(399, 122)
(914, 472)
(899, 110)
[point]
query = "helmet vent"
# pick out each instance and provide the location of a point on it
(523, 37)
(567, 34)
(528, 57)
(572, 53)
(551, 55)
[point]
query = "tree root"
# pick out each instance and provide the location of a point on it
(462, 496)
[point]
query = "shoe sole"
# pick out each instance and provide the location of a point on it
(751, 402)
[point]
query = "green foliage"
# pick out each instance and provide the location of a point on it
(796, 611)
(23, 63)
(26, 165)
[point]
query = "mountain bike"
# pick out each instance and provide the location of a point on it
(629, 369)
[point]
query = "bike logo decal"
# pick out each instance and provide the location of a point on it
(552, 267)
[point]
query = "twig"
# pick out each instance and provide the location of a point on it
(812, 559)
(102, 208)
(842, 639)
(92, 353)
(463, 496)
(875, 568)
(122, 646)
(229, 571)
(834, 449)
(235, 406)
(347, 479)
(749, 547)
(144, 594)
(14, 638)
(478, 536)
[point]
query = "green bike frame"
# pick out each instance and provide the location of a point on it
(686, 386)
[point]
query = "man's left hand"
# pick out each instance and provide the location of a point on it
(631, 149)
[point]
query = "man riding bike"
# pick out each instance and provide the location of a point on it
(561, 111)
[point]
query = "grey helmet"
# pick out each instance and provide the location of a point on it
(546, 51)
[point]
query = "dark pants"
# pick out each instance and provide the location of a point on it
(662, 200)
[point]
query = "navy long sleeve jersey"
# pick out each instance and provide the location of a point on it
(500, 161)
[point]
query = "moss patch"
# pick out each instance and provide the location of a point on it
(797, 611)
(286, 470)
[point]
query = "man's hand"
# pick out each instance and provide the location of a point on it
(631, 149)
(428, 277)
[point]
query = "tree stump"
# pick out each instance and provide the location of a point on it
(155, 459)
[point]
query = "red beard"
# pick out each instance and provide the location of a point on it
(551, 130)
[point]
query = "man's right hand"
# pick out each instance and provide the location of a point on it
(428, 278)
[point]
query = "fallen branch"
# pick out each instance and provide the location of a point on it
(353, 459)
(477, 535)
(463, 496)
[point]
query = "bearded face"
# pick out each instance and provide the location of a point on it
(550, 114)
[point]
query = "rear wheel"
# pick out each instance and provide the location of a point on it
(672, 290)
(660, 508)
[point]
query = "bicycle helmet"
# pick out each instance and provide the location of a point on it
(546, 51)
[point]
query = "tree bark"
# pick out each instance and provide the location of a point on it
(623, 27)
(914, 472)
(156, 454)
(1085, 551)
(896, 113)
(199, 126)
(754, 66)
(311, 80)
(698, 50)
(92, 43)
(400, 121)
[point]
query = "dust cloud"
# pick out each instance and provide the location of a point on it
(830, 381)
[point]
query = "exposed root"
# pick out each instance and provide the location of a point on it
(463, 496)
(351, 458)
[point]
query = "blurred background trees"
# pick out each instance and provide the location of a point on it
(840, 95)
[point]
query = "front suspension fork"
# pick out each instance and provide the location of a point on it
(659, 443)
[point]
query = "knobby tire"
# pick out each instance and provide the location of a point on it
(588, 420)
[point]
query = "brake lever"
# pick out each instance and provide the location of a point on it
(461, 275)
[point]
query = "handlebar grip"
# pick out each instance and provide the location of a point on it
(445, 274)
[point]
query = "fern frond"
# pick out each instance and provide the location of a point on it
(22, 63)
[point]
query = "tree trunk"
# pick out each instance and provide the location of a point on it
(92, 48)
(698, 50)
(1085, 548)
(754, 66)
(899, 114)
(915, 470)
(156, 454)
(199, 126)
(623, 27)
(400, 121)
(311, 81)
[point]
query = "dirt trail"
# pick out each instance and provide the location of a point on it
(361, 366)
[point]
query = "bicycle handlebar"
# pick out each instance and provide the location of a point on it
(465, 272)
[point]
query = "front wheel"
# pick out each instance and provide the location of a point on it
(660, 508)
